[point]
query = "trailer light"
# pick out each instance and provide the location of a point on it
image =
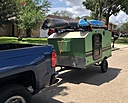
(53, 59)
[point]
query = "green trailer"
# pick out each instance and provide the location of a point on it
(82, 48)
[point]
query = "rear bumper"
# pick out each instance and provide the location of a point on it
(71, 61)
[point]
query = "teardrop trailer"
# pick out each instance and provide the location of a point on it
(78, 44)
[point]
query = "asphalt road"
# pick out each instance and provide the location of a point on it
(90, 85)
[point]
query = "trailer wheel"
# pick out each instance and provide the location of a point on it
(14, 94)
(104, 66)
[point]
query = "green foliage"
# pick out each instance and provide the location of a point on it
(105, 8)
(7, 10)
(124, 27)
(28, 13)
(31, 14)
(87, 17)
(56, 13)
(92, 5)
(78, 17)
(124, 6)
(122, 40)
(63, 13)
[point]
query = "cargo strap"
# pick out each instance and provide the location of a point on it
(90, 24)
(67, 22)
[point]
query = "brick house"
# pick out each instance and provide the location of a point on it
(12, 30)
(9, 29)
(111, 26)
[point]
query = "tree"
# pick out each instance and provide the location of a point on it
(87, 17)
(7, 10)
(125, 6)
(56, 13)
(31, 14)
(93, 6)
(105, 8)
(124, 27)
(111, 7)
(63, 13)
(123, 30)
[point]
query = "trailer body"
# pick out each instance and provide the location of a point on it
(81, 49)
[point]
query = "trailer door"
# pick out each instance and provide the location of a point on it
(97, 46)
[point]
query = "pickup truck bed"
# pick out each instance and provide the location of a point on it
(26, 65)
(22, 56)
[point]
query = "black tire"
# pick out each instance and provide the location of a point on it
(15, 93)
(104, 66)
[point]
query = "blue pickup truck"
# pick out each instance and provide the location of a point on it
(24, 70)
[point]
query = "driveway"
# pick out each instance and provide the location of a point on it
(90, 85)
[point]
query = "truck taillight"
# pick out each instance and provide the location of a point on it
(53, 59)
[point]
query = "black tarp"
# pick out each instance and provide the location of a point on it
(59, 23)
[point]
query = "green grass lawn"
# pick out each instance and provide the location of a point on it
(122, 40)
(24, 40)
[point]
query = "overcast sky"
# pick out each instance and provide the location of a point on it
(75, 6)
